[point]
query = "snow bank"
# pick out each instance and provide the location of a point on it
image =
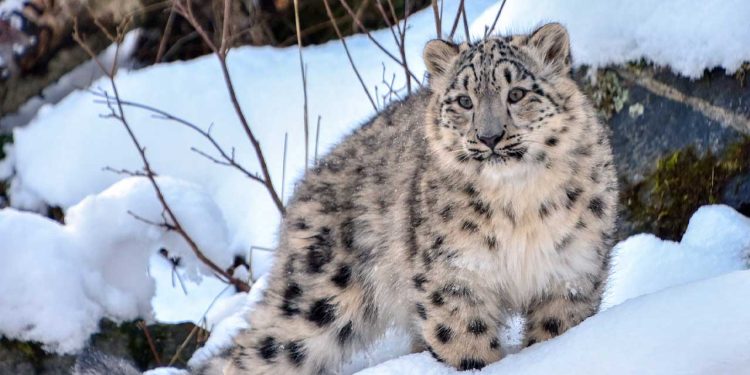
(699, 328)
(717, 241)
(96, 265)
(687, 36)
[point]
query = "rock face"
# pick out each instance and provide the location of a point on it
(671, 158)
(126, 340)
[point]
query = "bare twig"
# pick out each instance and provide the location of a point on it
(142, 325)
(304, 88)
(228, 158)
(372, 39)
(165, 36)
(283, 165)
(171, 222)
(466, 24)
(221, 53)
(317, 138)
(183, 345)
(456, 19)
(436, 14)
(489, 31)
(348, 54)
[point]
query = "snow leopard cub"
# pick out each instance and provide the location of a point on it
(490, 192)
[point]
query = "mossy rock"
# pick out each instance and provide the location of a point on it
(126, 340)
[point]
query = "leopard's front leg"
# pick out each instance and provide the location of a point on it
(552, 313)
(458, 326)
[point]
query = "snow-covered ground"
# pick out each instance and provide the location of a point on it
(97, 264)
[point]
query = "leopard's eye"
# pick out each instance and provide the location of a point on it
(465, 102)
(516, 94)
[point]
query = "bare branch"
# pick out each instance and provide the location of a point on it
(372, 39)
(489, 31)
(228, 160)
(348, 54)
(455, 20)
(304, 89)
(466, 24)
(171, 222)
(436, 13)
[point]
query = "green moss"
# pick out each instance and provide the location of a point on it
(607, 93)
(682, 181)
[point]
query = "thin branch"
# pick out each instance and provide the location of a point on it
(372, 39)
(228, 159)
(489, 31)
(142, 325)
(466, 24)
(165, 36)
(173, 221)
(455, 20)
(317, 139)
(304, 89)
(348, 54)
(283, 165)
(183, 345)
(436, 14)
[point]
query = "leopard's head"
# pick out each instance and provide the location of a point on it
(505, 104)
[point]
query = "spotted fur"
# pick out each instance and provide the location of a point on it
(467, 200)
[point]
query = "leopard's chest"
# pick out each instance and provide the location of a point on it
(520, 254)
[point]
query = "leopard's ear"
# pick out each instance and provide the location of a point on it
(438, 56)
(553, 45)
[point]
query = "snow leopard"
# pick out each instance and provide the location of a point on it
(487, 193)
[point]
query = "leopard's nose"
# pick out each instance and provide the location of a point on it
(491, 140)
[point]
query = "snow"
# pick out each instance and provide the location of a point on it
(98, 263)
(687, 36)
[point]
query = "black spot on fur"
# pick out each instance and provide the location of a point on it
(268, 349)
(541, 157)
(320, 252)
(289, 306)
(517, 153)
(552, 326)
(419, 280)
(347, 234)
(477, 326)
(421, 311)
(471, 191)
(563, 243)
(322, 312)
(506, 74)
(443, 333)
(596, 206)
(345, 333)
(573, 193)
(580, 224)
(300, 224)
(543, 211)
(447, 212)
(437, 299)
(296, 353)
(471, 364)
(551, 141)
(530, 342)
(469, 226)
(491, 242)
(495, 343)
(342, 276)
(481, 207)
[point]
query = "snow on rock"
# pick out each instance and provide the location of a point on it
(698, 328)
(717, 241)
(96, 265)
(688, 36)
